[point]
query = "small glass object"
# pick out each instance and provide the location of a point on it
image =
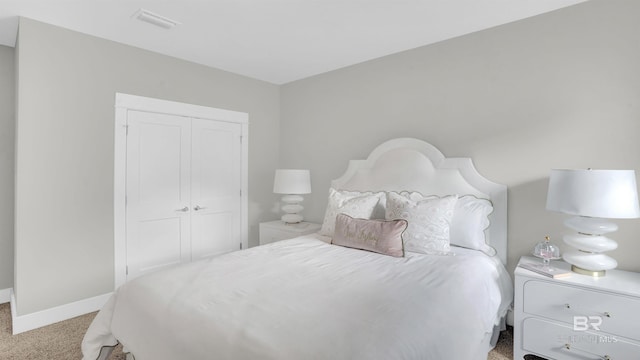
(546, 251)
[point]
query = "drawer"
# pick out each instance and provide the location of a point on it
(606, 312)
(561, 342)
(268, 235)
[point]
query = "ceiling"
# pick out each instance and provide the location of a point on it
(277, 41)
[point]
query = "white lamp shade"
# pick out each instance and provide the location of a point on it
(289, 181)
(594, 193)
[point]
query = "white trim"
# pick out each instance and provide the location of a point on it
(5, 295)
(141, 103)
(244, 211)
(126, 102)
(22, 323)
(119, 196)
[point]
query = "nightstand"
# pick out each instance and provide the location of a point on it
(277, 230)
(578, 316)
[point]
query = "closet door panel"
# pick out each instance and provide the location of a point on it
(215, 187)
(158, 191)
(212, 235)
(158, 244)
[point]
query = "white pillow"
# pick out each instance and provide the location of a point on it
(353, 203)
(429, 221)
(470, 219)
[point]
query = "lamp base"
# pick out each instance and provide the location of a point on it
(292, 218)
(594, 273)
(292, 209)
(588, 263)
(590, 225)
(588, 258)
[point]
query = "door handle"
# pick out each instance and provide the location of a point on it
(199, 208)
(184, 209)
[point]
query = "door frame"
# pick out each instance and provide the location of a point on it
(126, 102)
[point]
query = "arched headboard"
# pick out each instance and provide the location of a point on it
(415, 165)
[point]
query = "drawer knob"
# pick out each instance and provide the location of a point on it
(568, 306)
(604, 357)
(607, 314)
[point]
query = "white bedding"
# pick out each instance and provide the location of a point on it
(306, 299)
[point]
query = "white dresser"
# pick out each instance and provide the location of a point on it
(277, 230)
(576, 317)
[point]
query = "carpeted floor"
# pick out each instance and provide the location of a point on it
(61, 341)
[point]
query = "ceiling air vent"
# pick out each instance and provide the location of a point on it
(155, 19)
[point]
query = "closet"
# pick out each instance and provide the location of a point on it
(184, 184)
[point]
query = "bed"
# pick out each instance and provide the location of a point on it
(332, 295)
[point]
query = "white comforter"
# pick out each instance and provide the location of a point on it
(306, 299)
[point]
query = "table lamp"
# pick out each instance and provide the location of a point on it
(592, 196)
(293, 184)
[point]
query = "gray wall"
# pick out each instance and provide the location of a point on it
(64, 151)
(560, 90)
(7, 130)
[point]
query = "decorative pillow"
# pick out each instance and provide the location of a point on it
(429, 221)
(381, 236)
(470, 219)
(352, 203)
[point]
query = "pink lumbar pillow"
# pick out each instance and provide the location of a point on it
(381, 236)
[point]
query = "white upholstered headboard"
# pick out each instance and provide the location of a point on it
(414, 165)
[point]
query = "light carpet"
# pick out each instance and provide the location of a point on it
(61, 341)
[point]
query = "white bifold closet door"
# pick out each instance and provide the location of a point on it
(183, 182)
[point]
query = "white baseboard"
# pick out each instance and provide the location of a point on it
(53, 315)
(5, 295)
